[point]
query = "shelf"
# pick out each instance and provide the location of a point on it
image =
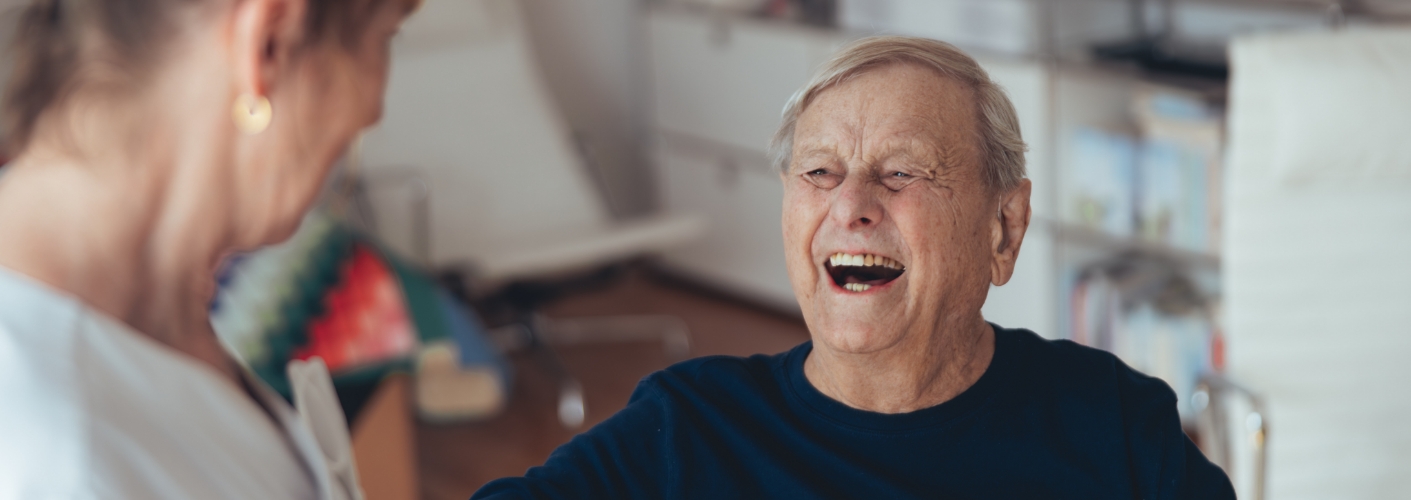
(733, 15)
(1078, 235)
(1383, 10)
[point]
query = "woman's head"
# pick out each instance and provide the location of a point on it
(155, 82)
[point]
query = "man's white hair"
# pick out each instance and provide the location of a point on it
(1001, 145)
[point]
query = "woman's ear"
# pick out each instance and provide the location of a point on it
(1009, 226)
(263, 35)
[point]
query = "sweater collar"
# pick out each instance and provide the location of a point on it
(815, 402)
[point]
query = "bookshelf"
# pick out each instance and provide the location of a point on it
(1081, 236)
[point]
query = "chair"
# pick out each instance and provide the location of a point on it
(1318, 256)
(500, 193)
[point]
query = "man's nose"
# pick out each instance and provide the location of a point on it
(856, 205)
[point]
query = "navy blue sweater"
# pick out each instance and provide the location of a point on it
(1048, 419)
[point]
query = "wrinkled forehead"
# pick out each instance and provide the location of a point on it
(895, 109)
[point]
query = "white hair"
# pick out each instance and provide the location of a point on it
(1001, 145)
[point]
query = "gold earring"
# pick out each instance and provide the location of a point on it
(252, 113)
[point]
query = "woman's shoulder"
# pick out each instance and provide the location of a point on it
(34, 315)
(68, 371)
(43, 423)
(37, 374)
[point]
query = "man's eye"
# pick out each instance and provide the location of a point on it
(818, 172)
(900, 175)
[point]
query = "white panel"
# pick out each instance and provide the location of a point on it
(727, 80)
(1317, 274)
(743, 249)
(1320, 322)
(1308, 134)
(473, 114)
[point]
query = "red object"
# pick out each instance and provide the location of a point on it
(365, 319)
(1217, 351)
(1080, 320)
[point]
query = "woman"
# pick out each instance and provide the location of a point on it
(150, 138)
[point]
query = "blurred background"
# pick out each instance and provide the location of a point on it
(566, 195)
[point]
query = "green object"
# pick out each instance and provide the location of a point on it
(302, 302)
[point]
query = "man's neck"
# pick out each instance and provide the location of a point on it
(930, 369)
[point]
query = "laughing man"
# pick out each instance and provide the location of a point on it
(905, 199)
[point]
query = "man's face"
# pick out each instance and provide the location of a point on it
(886, 170)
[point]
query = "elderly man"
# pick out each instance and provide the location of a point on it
(904, 200)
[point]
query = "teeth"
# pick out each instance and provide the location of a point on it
(842, 259)
(857, 287)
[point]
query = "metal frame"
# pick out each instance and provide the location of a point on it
(1210, 398)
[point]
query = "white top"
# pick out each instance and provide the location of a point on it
(91, 409)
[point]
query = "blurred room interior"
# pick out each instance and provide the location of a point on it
(567, 195)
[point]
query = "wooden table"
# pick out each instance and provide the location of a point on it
(455, 460)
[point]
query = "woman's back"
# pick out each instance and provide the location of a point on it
(93, 409)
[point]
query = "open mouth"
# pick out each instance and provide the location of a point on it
(860, 272)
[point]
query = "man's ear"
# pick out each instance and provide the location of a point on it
(1009, 226)
(263, 36)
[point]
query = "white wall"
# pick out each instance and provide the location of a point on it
(591, 52)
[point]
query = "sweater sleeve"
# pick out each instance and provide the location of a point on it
(1165, 463)
(622, 457)
(1202, 478)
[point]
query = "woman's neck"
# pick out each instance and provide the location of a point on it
(932, 368)
(138, 242)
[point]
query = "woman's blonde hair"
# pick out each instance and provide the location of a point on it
(63, 45)
(1001, 144)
